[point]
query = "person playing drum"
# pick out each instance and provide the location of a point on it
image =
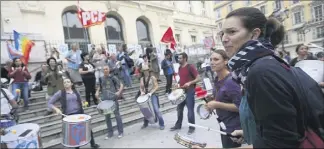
(149, 85)
(226, 99)
(111, 89)
(188, 78)
(8, 106)
(71, 103)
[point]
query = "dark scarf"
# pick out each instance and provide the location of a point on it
(249, 52)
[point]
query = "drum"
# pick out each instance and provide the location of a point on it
(76, 130)
(106, 107)
(22, 136)
(202, 112)
(146, 108)
(177, 96)
(187, 142)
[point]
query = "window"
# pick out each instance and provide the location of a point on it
(300, 37)
(74, 31)
(193, 39)
(263, 9)
(295, 1)
(319, 32)
(177, 36)
(297, 17)
(143, 33)
(318, 13)
(220, 25)
(230, 7)
(203, 10)
(190, 6)
(277, 4)
(286, 39)
(114, 31)
(174, 4)
(247, 2)
(218, 13)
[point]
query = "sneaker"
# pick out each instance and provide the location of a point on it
(144, 126)
(162, 127)
(95, 146)
(174, 128)
(120, 135)
(108, 137)
(191, 131)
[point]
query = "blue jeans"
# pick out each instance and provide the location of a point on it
(126, 76)
(158, 113)
(118, 120)
(190, 103)
(24, 88)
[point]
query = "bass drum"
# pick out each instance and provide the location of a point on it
(314, 68)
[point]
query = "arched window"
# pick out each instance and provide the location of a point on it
(114, 31)
(74, 31)
(143, 33)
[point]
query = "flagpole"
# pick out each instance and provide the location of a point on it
(84, 28)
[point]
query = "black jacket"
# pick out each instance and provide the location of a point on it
(271, 92)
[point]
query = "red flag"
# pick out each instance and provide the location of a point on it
(168, 38)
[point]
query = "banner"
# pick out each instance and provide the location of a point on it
(168, 38)
(209, 42)
(90, 18)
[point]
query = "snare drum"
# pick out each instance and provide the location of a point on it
(22, 136)
(177, 96)
(76, 130)
(187, 142)
(202, 112)
(146, 107)
(106, 107)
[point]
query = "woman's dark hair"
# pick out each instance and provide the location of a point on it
(14, 63)
(223, 54)
(298, 47)
(84, 55)
(253, 18)
(49, 59)
(50, 68)
(124, 47)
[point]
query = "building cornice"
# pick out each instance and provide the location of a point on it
(180, 21)
(224, 3)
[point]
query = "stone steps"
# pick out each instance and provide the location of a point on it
(102, 129)
(42, 105)
(38, 114)
(55, 130)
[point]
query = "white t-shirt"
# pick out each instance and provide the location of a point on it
(5, 105)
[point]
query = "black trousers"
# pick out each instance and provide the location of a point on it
(90, 88)
(169, 83)
(92, 141)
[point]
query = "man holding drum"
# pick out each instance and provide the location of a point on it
(149, 85)
(111, 89)
(71, 103)
(188, 78)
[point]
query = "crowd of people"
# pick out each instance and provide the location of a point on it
(259, 96)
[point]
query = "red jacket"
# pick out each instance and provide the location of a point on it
(19, 75)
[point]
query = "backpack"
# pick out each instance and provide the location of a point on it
(129, 61)
(310, 104)
(189, 70)
(13, 111)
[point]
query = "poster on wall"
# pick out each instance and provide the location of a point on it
(112, 48)
(63, 49)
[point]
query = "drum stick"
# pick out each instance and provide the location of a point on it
(63, 115)
(210, 129)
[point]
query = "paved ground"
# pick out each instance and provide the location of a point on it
(150, 137)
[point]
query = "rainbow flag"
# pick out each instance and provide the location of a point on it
(23, 45)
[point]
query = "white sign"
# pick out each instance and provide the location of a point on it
(112, 48)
